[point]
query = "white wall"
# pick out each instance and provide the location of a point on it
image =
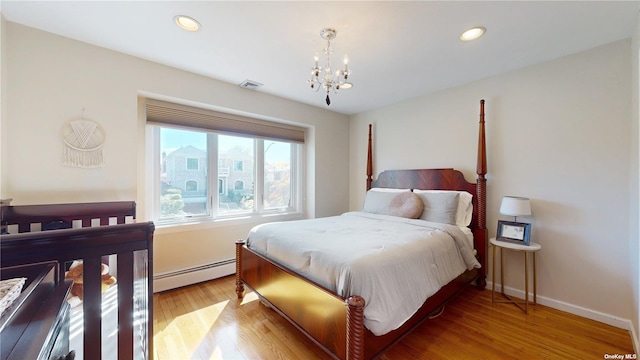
(51, 79)
(557, 132)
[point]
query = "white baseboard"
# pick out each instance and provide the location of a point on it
(634, 338)
(572, 309)
(608, 319)
(194, 275)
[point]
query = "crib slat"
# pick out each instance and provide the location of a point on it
(24, 227)
(92, 310)
(125, 305)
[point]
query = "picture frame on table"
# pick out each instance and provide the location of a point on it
(514, 232)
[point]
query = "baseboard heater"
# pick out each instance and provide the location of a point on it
(193, 275)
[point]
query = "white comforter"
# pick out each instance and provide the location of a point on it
(394, 263)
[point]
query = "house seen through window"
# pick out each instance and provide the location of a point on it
(251, 176)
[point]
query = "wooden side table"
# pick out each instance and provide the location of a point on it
(526, 249)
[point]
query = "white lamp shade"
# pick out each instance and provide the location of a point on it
(515, 206)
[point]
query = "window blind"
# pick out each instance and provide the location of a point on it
(167, 113)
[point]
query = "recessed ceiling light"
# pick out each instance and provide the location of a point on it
(472, 33)
(186, 22)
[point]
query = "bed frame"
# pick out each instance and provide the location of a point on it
(335, 323)
(131, 243)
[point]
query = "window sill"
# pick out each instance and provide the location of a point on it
(205, 223)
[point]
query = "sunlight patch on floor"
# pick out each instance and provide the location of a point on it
(249, 297)
(187, 332)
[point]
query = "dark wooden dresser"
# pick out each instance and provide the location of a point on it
(36, 325)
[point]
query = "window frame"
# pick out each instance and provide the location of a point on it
(154, 166)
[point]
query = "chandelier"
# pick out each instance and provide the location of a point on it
(323, 77)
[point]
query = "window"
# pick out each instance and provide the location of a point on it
(233, 151)
(277, 175)
(238, 165)
(192, 164)
(191, 185)
(200, 173)
(179, 194)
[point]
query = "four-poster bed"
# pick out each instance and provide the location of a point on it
(337, 323)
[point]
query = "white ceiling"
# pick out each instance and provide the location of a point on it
(397, 50)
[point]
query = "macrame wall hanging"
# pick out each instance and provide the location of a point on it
(83, 141)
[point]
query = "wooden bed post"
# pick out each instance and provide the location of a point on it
(482, 196)
(369, 162)
(239, 284)
(355, 327)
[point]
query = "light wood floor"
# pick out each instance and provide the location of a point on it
(207, 321)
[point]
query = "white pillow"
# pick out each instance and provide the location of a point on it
(464, 212)
(377, 200)
(440, 207)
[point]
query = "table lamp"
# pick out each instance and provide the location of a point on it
(515, 206)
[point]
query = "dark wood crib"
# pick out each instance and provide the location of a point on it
(93, 233)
